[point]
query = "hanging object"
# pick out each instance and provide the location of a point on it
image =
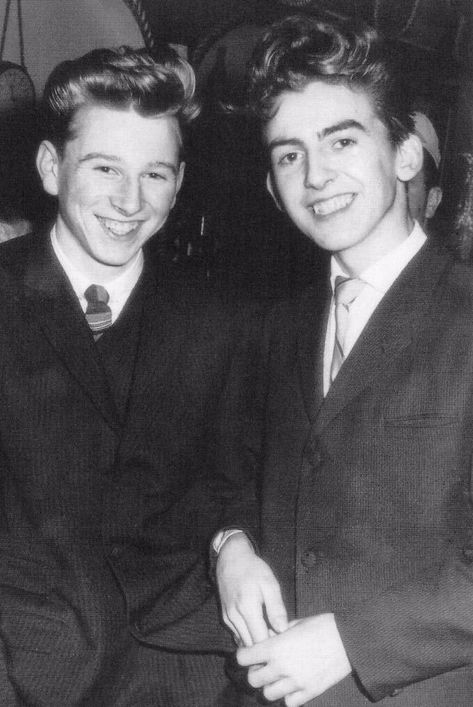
(138, 11)
(16, 87)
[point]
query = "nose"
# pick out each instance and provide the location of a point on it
(318, 172)
(127, 197)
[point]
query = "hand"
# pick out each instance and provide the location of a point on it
(252, 605)
(300, 663)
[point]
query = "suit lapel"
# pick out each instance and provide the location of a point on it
(61, 319)
(159, 326)
(312, 323)
(391, 329)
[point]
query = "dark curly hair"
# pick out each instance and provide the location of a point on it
(300, 49)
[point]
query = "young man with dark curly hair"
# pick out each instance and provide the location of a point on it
(355, 583)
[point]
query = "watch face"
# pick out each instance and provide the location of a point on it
(16, 89)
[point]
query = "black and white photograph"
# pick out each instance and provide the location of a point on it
(236, 353)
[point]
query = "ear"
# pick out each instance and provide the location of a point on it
(47, 164)
(179, 180)
(180, 176)
(272, 190)
(409, 158)
(434, 198)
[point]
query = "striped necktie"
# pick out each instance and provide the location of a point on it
(98, 313)
(346, 292)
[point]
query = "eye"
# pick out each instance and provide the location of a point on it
(156, 175)
(343, 142)
(289, 158)
(104, 169)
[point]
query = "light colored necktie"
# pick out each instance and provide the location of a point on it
(98, 313)
(346, 292)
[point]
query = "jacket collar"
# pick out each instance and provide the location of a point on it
(52, 301)
(391, 329)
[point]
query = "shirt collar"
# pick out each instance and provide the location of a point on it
(119, 288)
(382, 274)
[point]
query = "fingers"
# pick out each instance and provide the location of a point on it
(275, 609)
(297, 699)
(237, 625)
(261, 675)
(258, 629)
(253, 655)
(261, 608)
(250, 596)
(279, 689)
(274, 686)
(248, 629)
(246, 617)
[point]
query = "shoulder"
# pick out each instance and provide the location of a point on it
(457, 281)
(16, 253)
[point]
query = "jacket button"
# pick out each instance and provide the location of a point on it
(468, 554)
(116, 551)
(309, 559)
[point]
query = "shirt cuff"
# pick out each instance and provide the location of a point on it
(221, 538)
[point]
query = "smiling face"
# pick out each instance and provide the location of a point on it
(336, 173)
(116, 183)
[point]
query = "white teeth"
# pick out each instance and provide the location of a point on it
(328, 206)
(118, 228)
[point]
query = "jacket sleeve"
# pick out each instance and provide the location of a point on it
(183, 613)
(415, 631)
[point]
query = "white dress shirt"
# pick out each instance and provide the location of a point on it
(378, 278)
(119, 289)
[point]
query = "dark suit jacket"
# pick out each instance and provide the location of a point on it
(109, 473)
(366, 504)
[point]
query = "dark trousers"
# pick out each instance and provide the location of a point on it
(156, 678)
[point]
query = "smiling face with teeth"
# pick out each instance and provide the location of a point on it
(336, 174)
(116, 183)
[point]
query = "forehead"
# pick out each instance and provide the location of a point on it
(124, 133)
(320, 106)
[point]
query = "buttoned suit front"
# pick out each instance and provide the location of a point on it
(109, 487)
(365, 494)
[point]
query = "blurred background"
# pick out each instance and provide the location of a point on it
(225, 227)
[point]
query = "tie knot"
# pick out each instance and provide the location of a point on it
(96, 294)
(98, 313)
(347, 290)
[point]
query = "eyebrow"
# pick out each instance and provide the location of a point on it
(343, 125)
(114, 158)
(337, 127)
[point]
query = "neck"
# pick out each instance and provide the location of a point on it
(385, 239)
(83, 262)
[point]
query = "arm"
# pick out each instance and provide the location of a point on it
(250, 595)
(180, 609)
